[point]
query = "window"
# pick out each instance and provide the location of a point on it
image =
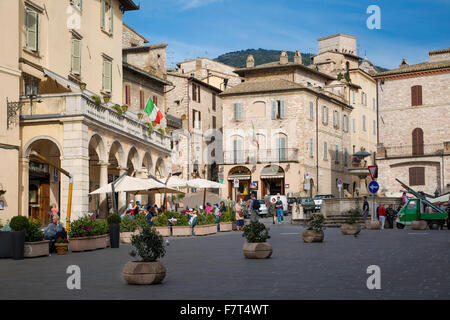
(196, 119)
(324, 114)
(365, 99)
(127, 95)
(142, 99)
(311, 148)
(354, 97)
(345, 157)
(417, 142)
(417, 176)
(31, 84)
(107, 75)
(32, 30)
(278, 109)
(364, 123)
(214, 101)
(311, 110)
(282, 148)
(238, 152)
(374, 127)
(416, 96)
(374, 104)
(354, 125)
(76, 57)
(214, 124)
(336, 119)
(195, 92)
(345, 123)
(325, 151)
(336, 153)
(107, 22)
(362, 97)
(155, 100)
(238, 112)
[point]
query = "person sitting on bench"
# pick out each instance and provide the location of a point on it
(54, 231)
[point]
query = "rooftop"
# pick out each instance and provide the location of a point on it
(416, 68)
(146, 74)
(129, 5)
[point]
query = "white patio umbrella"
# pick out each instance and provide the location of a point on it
(130, 184)
(174, 182)
(204, 184)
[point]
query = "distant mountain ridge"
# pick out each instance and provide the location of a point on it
(238, 59)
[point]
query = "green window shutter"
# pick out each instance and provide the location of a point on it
(32, 30)
(111, 19)
(311, 148)
(325, 151)
(235, 111)
(107, 76)
(81, 4)
(311, 110)
(76, 56)
(103, 12)
(240, 111)
(282, 109)
(274, 110)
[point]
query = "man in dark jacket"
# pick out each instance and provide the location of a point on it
(390, 216)
(254, 208)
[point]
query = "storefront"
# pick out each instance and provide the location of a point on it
(272, 181)
(39, 192)
(244, 176)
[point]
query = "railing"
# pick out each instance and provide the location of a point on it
(410, 150)
(261, 156)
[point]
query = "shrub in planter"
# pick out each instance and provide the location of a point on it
(314, 233)
(19, 225)
(226, 223)
(61, 246)
(351, 225)
(149, 246)
(128, 227)
(161, 224)
(88, 234)
(182, 227)
(206, 225)
(256, 246)
(114, 229)
(35, 245)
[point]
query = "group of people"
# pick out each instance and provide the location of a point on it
(384, 215)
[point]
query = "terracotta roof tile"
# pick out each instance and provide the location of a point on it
(416, 67)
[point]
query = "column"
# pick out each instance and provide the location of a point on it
(142, 174)
(122, 203)
(24, 186)
(103, 181)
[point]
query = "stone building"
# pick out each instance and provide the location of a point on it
(66, 66)
(414, 126)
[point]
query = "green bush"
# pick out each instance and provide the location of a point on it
(316, 222)
(228, 216)
(201, 219)
(100, 227)
(256, 232)
(128, 225)
(34, 232)
(210, 219)
(114, 219)
(87, 227)
(161, 221)
(353, 219)
(149, 245)
(19, 223)
(141, 220)
(182, 221)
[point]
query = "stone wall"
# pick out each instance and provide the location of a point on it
(339, 206)
(130, 38)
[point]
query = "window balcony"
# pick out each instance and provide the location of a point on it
(261, 156)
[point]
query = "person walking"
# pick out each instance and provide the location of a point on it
(254, 207)
(365, 209)
(239, 216)
(273, 210)
(279, 207)
(390, 215)
(382, 215)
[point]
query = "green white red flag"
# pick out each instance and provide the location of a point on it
(153, 111)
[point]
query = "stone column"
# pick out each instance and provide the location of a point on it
(103, 181)
(142, 174)
(122, 202)
(24, 186)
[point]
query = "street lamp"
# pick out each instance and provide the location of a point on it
(14, 107)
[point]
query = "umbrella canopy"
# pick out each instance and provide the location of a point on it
(174, 182)
(158, 190)
(204, 184)
(130, 184)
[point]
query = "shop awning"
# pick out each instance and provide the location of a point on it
(239, 177)
(273, 176)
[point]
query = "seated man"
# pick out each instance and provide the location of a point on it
(54, 231)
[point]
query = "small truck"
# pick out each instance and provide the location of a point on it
(419, 208)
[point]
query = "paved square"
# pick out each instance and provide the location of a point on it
(414, 265)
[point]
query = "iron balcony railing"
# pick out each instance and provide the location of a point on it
(437, 149)
(261, 156)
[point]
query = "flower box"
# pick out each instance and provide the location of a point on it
(205, 230)
(226, 226)
(125, 237)
(88, 243)
(102, 241)
(163, 231)
(181, 231)
(36, 249)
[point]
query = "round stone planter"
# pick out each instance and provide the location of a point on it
(350, 229)
(205, 230)
(261, 250)
(125, 237)
(373, 225)
(419, 225)
(36, 249)
(144, 272)
(310, 236)
(163, 231)
(226, 226)
(181, 231)
(61, 248)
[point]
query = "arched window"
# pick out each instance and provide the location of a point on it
(417, 142)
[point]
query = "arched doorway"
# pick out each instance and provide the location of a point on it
(44, 181)
(272, 180)
(133, 162)
(244, 175)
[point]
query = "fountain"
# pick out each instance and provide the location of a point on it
(362, 171)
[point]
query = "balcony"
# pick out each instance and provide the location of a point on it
(261, 156)
(437, 149)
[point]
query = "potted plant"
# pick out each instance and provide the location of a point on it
(83, 85)
(162, 132)
(114, 229)
(19, 225)
(128, 227)
(35, 245)
(88, 234)
(97, 100)
(150, 128)
(6, 241)
(351, 226)
(161, 225)
(106, 98)
(256, 246)
(140, 115)
(206, 225)
(226, 223)
(183, 117)
(118, 109)
(61, 245)
(314, 233)
(182, 227)
(149, 246)
(124, 108)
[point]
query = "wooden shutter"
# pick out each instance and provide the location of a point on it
(107, 75)
(32, 30)
(214, 122)
(282, 109)
(417, 176)
(194, 92)
(76, 56)
(274, 110)
(198, 88)
(141, 98)
(336, 153)
(214, 102)
(311, 110)
(417, 142)
(325, 151)
(416, 96)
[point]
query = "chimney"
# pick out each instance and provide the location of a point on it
(284, 59)
(404, 63)
(298, 58)
(250, 61)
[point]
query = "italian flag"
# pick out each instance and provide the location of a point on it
(153, 112)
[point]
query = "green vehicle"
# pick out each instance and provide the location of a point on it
(307, 204)
(419, 208)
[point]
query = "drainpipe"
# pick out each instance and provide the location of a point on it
(378, 121)
(189, 131)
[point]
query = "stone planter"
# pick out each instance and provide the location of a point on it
(144, 272)
(373, 225)
(419, 225)
(36, 249)
(350, 229)
(61, 248)
(205, 230)
(260, 250)
(125, 237)
(310, 236)
(102, 241)
(85, 243)
(226, 226)
(163, 231)
(181, 231)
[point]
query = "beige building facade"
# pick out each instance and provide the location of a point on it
(414, 126)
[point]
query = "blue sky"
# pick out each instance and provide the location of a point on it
(208, 28)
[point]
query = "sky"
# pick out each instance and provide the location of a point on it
(208, 28)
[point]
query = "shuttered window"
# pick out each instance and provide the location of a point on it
(325, 151)
(111, 19)
(311, 110)
(354, 125)
(237, 111)
(32, 30)
(364, 123)
(417, 142)
(127, 95)
(214, 101)
(417, 176)
(282, 148)
(238, 152)
(336, 153)
(103, 12)
(274, 110)
(324, 114)
(311, 148)
(416, 96)
(107, 76)
(142, 99)
(76, 57)
(278, 109)
(345, 157)
(214, 122)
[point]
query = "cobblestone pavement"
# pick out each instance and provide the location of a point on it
(414, 265)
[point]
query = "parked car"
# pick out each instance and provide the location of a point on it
(319, 198)
(291, 201)
(263, 210)
(308, 204)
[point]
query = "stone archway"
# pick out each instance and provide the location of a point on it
(116, 167)
(98, 174)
